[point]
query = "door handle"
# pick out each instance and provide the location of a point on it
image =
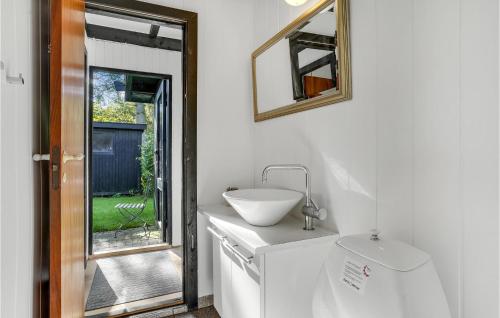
(159, 184)
(41, 157)
(70, 157)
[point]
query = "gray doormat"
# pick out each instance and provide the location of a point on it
(124, 279)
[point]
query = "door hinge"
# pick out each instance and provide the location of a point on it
(192, 242)
(49, 48)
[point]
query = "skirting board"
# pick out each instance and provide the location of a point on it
(161, 313)
(205, 301)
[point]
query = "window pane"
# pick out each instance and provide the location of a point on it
(102, 142)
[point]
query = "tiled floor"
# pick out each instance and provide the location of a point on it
(208, 312)
(106, 241)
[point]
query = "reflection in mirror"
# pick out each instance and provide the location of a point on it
(305, 65)
(313, 56)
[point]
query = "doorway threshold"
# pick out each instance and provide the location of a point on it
(166, 302)
(130, 250)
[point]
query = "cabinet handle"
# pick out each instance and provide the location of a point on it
(231, 248)
(240, 255)
(217, 235)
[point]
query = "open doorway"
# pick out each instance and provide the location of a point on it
(134, 194)
(64, 245)
(135, 163)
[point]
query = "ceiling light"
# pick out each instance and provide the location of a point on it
(296, 3)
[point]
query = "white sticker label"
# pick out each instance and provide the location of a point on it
(355, 275)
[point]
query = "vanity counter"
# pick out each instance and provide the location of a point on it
(259, 240)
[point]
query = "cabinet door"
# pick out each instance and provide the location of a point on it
(236, 284)
(216, 252)
(222, 264)
(246, 291)
(226, 287)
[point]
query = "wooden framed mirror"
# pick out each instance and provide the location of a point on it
(305, 65)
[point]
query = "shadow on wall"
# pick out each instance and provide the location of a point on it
(344, 187)
(337, 179)
(350, 202)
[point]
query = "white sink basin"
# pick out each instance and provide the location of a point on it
(262, 207)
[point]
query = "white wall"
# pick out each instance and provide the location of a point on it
(456, 148)
(137, 58)
(394, 120)
(1, 174)
(437, 209)
(18, 140)
(418, 143)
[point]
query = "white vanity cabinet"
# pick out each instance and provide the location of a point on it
(264, 271)
(236, 284)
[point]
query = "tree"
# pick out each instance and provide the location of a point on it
(115, 113)
(104, 87)
(109, 103)
(147, 163)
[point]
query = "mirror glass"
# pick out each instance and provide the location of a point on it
(301, 63)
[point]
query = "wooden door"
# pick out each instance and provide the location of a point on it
(66, 160)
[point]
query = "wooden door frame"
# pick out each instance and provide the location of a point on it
(41, 301)
(88, 151)
(189, 197)
(189, 21)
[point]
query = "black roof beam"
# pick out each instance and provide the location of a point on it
(130, 37)
(325, 60)
(134, 18)
(153, 31)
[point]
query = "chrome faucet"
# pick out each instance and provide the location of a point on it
(310, 209)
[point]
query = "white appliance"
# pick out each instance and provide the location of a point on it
(368, 277)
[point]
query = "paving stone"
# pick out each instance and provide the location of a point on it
(106, 241)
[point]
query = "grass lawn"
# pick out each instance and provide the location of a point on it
(107, 218)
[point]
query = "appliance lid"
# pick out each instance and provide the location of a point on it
(394, 255)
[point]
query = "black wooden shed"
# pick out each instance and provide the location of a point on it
(115, 151)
